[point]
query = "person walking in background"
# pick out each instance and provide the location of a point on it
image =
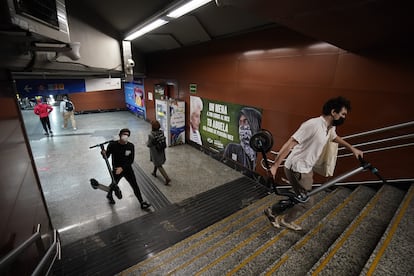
(43, 109)
(196, 106)
(305, 146)
(123, 154)
(156, 143)
(67, 108)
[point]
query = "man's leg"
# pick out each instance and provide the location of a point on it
(65, 119)
(43, 121)
(130, 177)
(48, 124)
(72, 119)
(112, 188)
(301, 183)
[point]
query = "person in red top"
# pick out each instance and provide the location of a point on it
(43, 110)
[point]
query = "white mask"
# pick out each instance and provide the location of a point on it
(124, 138)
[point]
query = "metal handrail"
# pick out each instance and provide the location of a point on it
(54, 246)
(378, 130)
(9, 258)
(411, 123)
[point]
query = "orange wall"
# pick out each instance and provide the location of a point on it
(99, 100)
(290, 77)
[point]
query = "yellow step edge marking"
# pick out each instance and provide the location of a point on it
(205, 240)
(264, 201)
(315, 230)
(339, 208)
(217, 244)
(391, 232)
(239, 246)
(280, 235)
(350, 230)
(276, 267)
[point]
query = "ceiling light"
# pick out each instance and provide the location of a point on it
(186, 8)
(147, 28)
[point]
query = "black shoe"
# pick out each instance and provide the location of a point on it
(145, 205)
(110, 199)
(46, 133)
(94, 183)
(118, 192)
(154, 174)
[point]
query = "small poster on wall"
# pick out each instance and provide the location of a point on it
(135, 98)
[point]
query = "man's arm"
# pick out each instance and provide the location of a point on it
(283, 152)
(358, 153)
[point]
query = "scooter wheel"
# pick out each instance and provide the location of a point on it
(94, 183)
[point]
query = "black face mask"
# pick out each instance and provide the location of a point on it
(338, 122)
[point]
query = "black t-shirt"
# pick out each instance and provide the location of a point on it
(122, 155)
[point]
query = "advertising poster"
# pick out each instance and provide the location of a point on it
(161, 115)
(225, 128)
(134, 98)
(177, 131)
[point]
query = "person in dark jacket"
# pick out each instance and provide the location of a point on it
(123, 154)
(42, 110)
(249, 124)
(157, 155)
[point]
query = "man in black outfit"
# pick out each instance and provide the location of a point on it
(123, 153)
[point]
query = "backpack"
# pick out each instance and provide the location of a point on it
(160, 140)
(69, 106)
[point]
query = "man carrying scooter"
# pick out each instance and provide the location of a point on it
(304, 148)
(123, 153)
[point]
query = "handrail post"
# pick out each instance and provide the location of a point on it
(9, 258)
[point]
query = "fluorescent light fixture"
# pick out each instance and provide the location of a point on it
(147, 28)
(186, 8)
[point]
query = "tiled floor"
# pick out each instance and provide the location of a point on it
(65, 164)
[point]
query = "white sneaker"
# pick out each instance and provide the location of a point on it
(290, 225)
(74, 128)
(277, 221)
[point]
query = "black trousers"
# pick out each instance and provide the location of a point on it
(45, 122)
(129, 175)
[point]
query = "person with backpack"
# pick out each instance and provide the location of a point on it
(42, 110)
(67, 108)
(157, 144)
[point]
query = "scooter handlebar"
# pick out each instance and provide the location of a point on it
(98, 145)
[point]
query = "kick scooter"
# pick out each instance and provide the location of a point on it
(96, 185)
(263, 142)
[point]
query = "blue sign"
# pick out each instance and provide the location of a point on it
(135, 98)
(31, 88)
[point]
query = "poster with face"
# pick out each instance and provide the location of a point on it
(135, 98)
(225, 128)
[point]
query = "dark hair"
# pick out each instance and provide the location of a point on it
(125, 130)
(336, 104)
(155, 125)
(253, 116)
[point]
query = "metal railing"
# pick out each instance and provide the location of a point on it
(35, 238)
(366, 133)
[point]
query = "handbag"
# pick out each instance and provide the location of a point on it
(326, 163)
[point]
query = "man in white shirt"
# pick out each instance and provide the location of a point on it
(305, 146)
(67, 108)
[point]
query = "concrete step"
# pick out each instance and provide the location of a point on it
(258, 254)
(205, 238)
(350, 252)
(300, 258)
(398, 240)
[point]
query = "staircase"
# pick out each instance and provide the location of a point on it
(361, 231)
